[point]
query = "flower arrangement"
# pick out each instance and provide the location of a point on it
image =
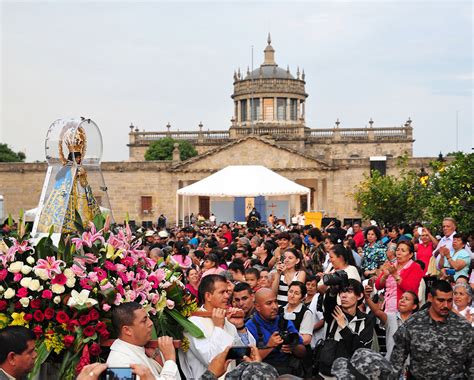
(65, 293)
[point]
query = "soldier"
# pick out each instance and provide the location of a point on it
(439, 342)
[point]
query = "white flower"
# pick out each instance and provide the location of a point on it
(68, 272)
(30, 260)
(15, 267)
(2, 289)
(42, 273)
(57, 299)
(71, 282)
(58, 289)
(35, 285)
(9, 294)
(25, 269)
(25, 281)
(25, 301)
(81, 298)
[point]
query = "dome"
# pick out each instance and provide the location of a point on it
(269, 71)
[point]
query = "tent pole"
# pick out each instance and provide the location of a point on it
(189, 212)
(182, 212)
(308, 201)
(177, 210)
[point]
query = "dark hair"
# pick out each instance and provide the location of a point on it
(340, 251)
(421, 264)
(463, 237)
(355, 285)
(337, 223)
(72, 155)
(316, 234)
(405, 227)
(207, 285)
(440, 285)
(212, 257)
(237, 266)
(284, 235)
(297, 242)
(123, 315)
(241, 286)
(211, 243)
(376, 231)
(311, 277)
(14, 339)
(409, 244)
(416, 300)
(331, 238)
(199, 253)
(253, 271)
(190, 269)
(181, 249)
(300, 285)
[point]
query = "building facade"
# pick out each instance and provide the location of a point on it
(268, 128)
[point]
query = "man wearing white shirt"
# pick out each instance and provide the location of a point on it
(219, 331)
(445, 245)
(134, 327)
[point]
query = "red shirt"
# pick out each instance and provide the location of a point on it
(359, 239)
(424, 254)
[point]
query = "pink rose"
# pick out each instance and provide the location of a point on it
(60, 279)
(3, 274)
(106, 307)
(170, 304)
(48, 294)
(78, 271)
(17, 277)
(22, 292)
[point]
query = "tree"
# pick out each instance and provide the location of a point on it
(163, 149)
(451, 191)
(8, 155)
(391, 199)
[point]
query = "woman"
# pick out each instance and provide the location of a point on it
(329, 243)
(424, 249)
(192, 278)
(409, 303)
(291, 269)
(311, 302)
(340, 258)
(404, 275)
(373, 252)
(180, 255)
(459, 261)
(264, 255)
(303, 319)
(211, 265)
(462, 301)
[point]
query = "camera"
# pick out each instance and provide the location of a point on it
(339, 277)
(289, 338)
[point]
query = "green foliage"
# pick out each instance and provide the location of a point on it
(163, 149)
(451, 191)
(447, 191)
(8, 155)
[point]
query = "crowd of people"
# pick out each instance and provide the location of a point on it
(335, 302)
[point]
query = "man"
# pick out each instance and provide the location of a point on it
(161, 225)
(265, 326)
(17, 352)
(336, 230)
(265, 281)
(133, 327)
(439, 342)
(226, 233)
(219, 331)
(243, 298)
(459, 260)
(316, 252)
(253, 219)
(358, 235)
(283, 241)
(446, 242)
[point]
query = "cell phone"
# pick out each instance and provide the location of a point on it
(238, 352)
(282, 258)
(420, 230)
(122, 373)
(450, 272)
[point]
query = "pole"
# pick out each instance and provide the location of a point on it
(177, 209)
(251, 99)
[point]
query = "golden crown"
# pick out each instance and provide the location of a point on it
(75, 141)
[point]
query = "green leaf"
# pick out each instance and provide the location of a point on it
(42, 355)
(185, 323)
(99, 221)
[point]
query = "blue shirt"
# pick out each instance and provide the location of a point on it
(267, 328)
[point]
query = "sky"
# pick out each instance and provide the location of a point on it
(154, 62)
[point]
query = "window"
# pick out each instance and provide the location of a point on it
(293, 109)
(243, 110)
(146, 204)
(255, 105)
(378, 163)
(268, 109)
(281, 108)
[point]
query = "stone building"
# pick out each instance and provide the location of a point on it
(268, 128)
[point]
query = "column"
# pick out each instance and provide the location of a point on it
(249, 110)
(298, 112)
(319, 194)
(287, 109)
(239, 115)
(275, 109)
(260, 116)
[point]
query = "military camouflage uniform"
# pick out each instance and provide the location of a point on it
(247, 371)
(364, 362)
(438, 350)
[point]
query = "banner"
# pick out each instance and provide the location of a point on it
(313, 218)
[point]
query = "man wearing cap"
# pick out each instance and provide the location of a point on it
(149, 237)
(438, 341)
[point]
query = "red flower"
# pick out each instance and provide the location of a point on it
(94, 315)
(94, 349)
(84, 360)
(49, 313)
(89, 331)
(68, 340)
(38, 331)
(60, 279)
(28, 317)
(38, 315)
(35, 304)
(18, 305)
(22, 292)
(84, 319)
(101, 326)
(3, 274)
(101, 274)
(62, 317)
(104, 334)
(73, 323)
(3, 305)
(48, 294)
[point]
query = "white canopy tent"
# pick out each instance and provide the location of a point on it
(241, 181)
